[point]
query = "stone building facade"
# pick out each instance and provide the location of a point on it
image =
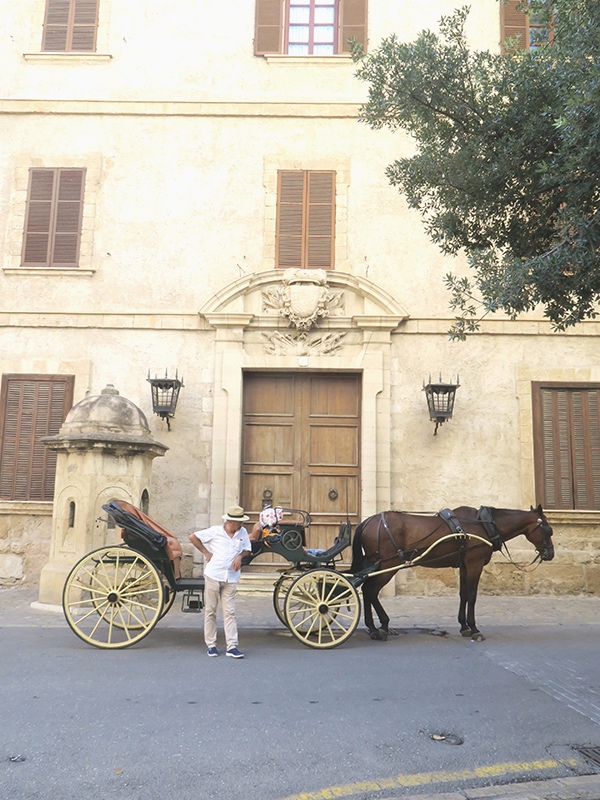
(189, 187)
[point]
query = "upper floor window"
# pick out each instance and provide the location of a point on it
(31, 407)
(70, 26)
(305, 219)
(529, 28)
(566, 420)
(53, 218)
(309, 27)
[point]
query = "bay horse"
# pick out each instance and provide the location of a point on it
(463, 538)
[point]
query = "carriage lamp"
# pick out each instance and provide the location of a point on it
(165, 394)
(440, 400)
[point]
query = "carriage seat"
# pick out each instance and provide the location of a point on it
(133, 521)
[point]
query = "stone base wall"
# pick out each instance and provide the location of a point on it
(24, 543)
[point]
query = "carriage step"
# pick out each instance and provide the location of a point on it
(192, 601)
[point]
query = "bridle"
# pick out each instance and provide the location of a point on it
(543, 524)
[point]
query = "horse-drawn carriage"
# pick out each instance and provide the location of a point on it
(114, 596)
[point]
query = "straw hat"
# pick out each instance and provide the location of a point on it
(235, 514)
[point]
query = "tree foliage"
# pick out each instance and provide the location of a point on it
(507, 161)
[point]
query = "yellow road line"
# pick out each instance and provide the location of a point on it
(424, 778)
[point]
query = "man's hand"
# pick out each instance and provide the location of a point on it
(236, 564)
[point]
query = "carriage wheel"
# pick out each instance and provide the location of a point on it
(322, 608)
(113, 597)
(280, 593)
(138, 576)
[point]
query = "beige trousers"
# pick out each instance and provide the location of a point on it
(225, 592)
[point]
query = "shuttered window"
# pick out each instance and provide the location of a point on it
(53, 218)
(305, 219)
(31, 407)
(309, 27)
(567, 445)
(528, 28)
(70, 26)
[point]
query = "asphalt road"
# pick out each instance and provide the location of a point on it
(418, 714)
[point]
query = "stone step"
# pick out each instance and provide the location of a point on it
(257, 583)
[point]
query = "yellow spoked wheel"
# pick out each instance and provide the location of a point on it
(137, 577)
(280, 593)
(113, 597)
(322, 608)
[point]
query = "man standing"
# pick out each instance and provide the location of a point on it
(223, 547)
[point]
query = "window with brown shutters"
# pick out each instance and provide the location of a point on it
(566, 422)
(70, 26)
(31, 407)
(53, 218)
(309, 27)
(528, 28)
(305, 219)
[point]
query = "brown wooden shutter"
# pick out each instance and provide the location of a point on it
(70, 26)
(321, 218)
(513, 23)
(290, 205)
(268, 33)
(353, 23)
(38, 220)
(567, 447)
(305, 219)
(31, 407)
(69, 209)
(53, 218)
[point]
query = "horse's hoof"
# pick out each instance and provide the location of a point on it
(478, 637)
(466, 632)
(391, 631)
(378, 635)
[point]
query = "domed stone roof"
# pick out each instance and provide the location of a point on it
(107, 413)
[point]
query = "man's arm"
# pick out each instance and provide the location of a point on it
(199, 546)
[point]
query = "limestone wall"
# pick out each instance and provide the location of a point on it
(24, 542)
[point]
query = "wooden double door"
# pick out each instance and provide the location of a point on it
(301, 448)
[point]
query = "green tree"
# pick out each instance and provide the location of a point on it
(507, 160)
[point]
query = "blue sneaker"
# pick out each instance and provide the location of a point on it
(234, 653)
(212, 652)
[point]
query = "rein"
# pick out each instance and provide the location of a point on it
(533, 565)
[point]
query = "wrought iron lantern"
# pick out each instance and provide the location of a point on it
(165, 394)
(440, 400)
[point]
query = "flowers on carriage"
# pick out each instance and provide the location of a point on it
(269, 518)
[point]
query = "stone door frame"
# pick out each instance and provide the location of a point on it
(250, 335)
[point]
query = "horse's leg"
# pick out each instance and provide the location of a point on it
(384, 620)
(462, 609)
(368, 610)
(474, 568)
(371, 596)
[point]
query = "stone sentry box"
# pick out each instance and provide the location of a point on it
(104, 451)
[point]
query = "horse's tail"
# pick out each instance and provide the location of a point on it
(357, 550)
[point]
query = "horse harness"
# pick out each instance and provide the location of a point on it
(484, 515)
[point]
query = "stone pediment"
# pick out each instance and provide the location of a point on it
(303, 300)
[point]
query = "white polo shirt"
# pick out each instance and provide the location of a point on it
(224, 549)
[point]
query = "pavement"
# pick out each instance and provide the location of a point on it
(256, 612)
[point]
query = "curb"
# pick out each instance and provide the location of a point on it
(581, 787)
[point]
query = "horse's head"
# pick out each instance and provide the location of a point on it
(539, 534)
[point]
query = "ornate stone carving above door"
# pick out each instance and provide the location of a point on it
(303, 298)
